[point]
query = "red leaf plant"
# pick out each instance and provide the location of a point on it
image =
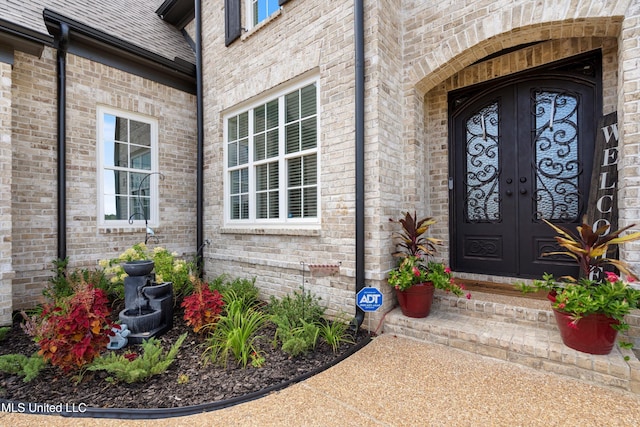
(202, 308)
(72, 331)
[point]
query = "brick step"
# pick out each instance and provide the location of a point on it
(523, 335)
(515, 310)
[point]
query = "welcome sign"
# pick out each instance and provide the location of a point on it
(602, 208)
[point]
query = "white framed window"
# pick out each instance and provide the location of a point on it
(127, 145)
(262, 9)
(272, 160)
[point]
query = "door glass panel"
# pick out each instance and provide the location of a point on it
(557, 166)
(482, 201)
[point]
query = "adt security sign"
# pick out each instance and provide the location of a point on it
(369, 299)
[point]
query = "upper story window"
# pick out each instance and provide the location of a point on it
(262, 9)
(127, 151)
(272, 165)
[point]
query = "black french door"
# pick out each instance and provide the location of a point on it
(522, 151)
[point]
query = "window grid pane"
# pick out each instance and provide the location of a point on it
(293, 117)
(127, 159)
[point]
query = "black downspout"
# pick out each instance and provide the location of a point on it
(62, 43)
(200, 142)
(359, 113)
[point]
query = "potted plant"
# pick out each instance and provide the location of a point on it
(589, 311)
(416, 278)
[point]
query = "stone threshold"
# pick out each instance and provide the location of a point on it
(516, 330)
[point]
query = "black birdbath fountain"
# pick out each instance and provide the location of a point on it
(148, 306)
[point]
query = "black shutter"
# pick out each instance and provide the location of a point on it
(281, 2)
(232, 21)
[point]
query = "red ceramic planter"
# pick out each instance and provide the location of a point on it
(416, 301)
(592, 334)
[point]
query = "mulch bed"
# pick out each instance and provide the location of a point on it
(205, 383)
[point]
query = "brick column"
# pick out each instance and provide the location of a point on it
(6, 268)
(629, 128)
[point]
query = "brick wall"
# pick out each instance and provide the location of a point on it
(33, 174)
(34, 185)
(6, 268)
(415, 53)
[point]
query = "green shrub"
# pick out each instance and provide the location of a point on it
(19, 364)
(238, 288)
(296, 318)
(335, 333)
(167, 266)
(235, 335)
(4, 331)
(131, 368)
(63, 282)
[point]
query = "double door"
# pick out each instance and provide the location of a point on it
(521, 152)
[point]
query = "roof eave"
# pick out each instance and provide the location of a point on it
(101, 47)
(23, 39)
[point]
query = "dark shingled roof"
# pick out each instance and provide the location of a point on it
(133, 21)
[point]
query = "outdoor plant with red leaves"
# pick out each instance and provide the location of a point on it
(73, 330)
(202, 308)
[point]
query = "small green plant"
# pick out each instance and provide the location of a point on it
(132, 368)
(202, 307)
(4, 331)
(301, 339)
(19, 364)
(183, 379)
(244, 289)
(296, 318)
(235, 335)
(62, 284)
(335, 333)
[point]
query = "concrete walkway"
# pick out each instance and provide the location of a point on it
(401, 382)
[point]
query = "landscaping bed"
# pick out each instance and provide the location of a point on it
(187, 382)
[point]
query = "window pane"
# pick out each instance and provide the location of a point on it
(235, 182)
(308, 95)
(232, 129)
(292, 135)
(235, 207)
(140, 157)
(274, 204)
(140, 133)
(243, 125)
(292, 107)
(140, 185)
(295, 172)
(122, 129)
(115, 182)
(259, 147)
(272, 114)
(295, 203)
(262, 205)
(310, 170)
(243, 152)
(310, 202)
(272, 143)
(116, 207)
(244, 206)
(261, 178)
(244, 180)
(233, 154)
(309, 135)
(259, 120)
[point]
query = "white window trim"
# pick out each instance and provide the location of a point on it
(154, 204)
(279, 223)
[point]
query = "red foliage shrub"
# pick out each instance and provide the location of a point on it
(202, 308)
(72, 331)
